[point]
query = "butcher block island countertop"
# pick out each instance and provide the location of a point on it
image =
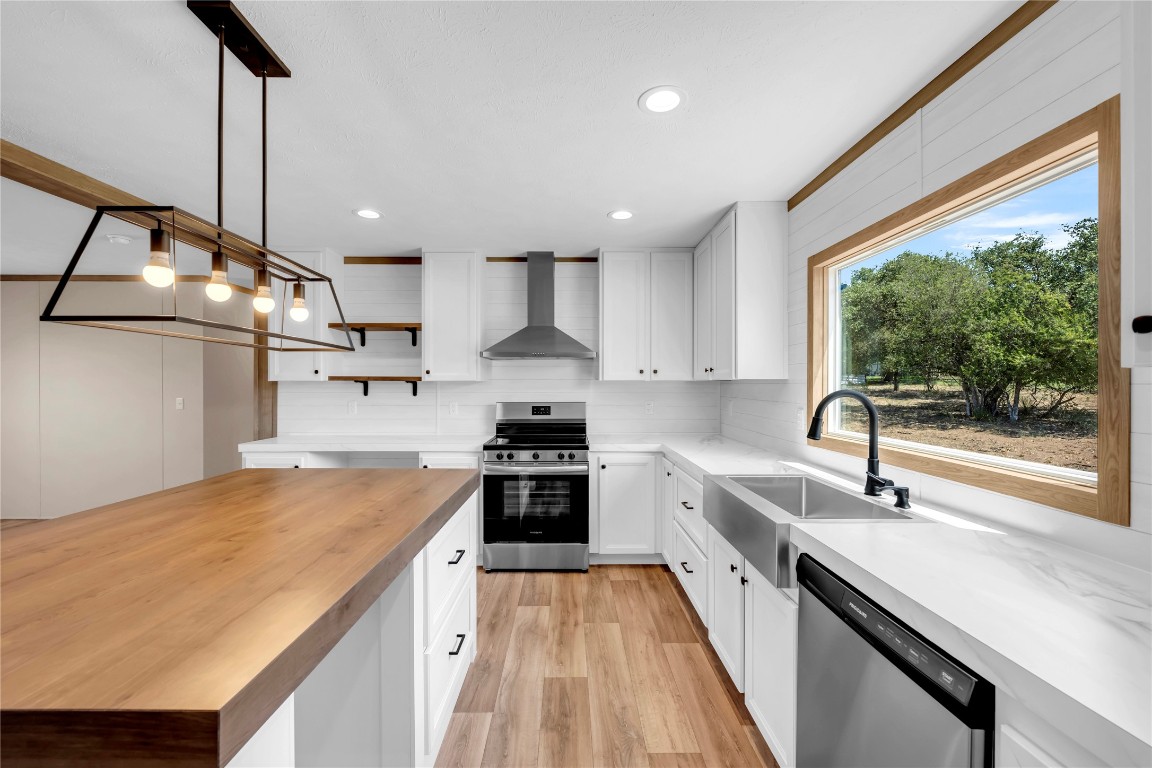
(166, 629)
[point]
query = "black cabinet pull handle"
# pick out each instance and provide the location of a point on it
(460, 556)
(669, 474)
(686, 505)
(733, 567)
(427, 371)
(295, 466)
(743, 581)
(603, 466)
(1142, 324)
(316, 371)
(459, 646)
(653, 371)
(641, 370)
(684, 565)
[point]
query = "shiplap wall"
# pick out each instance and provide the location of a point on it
(392, 293)
(1066, 62)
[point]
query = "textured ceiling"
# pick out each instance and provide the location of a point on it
(506, 126)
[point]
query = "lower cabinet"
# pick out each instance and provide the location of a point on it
(667, 516)
(384, 695)
(726, 606)
(770, 624)
(625, 492)
(292, 460)
(449, 460)
(689, 508)
(691, 566)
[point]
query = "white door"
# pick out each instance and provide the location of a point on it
(624, 312)
(724, 298)
(726, 606)
(627, 492)
(296, 366)
(451, 338)
(667, 503)
(770, 621)
(703, 315)
(671, 318)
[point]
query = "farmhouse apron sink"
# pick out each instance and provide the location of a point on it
(754, 513)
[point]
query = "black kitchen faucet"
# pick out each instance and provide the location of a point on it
(874, 485)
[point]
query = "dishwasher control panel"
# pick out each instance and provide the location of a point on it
(953, 680)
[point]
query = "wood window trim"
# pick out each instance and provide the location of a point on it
(1108, 500)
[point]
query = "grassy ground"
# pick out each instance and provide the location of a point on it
(1065, 439)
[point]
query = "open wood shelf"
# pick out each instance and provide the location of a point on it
(363, 380)
(363, 328)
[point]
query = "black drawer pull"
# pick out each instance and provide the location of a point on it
(743, 581)
(460, 556)
(459, 646)
(684, 565)
(733, 567)
(686, 505)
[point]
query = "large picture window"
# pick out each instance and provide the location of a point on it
(983, 322)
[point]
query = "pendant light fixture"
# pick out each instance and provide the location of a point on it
(168, 225)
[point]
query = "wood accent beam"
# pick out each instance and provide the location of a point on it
(383, 260)
(989, 44)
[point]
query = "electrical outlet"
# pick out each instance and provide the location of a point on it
(179, 403)
(453, 408)
(800, 418)
(650, 407)
(351, 407)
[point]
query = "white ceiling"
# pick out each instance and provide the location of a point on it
(505, 126)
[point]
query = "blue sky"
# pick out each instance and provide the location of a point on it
(1044, 209)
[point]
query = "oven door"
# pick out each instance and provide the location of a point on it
(536, 504)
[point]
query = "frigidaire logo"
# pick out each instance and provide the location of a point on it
(853, 607)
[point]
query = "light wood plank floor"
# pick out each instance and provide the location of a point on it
(607, 668)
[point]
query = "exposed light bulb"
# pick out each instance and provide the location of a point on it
(218, 288)
(299, 311)
(263, 301)
(158, 272)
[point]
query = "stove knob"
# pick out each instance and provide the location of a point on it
(535, 455)
(499, 457)
(511, 456)
(560, 455)
(571, 455)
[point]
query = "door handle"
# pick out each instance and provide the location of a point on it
(684, 565)
(686, 505)
(460, 556)
(459, 646)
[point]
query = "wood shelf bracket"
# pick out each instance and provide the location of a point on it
(364, 384)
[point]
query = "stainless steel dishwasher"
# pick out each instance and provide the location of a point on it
(873, 692)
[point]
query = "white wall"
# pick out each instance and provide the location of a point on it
(1066, 62)
(392, 293)
(89, 415)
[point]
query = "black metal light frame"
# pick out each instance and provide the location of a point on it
(189, 228)
(236, 35)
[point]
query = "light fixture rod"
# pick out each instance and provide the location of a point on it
(220, 138)
(264, 157)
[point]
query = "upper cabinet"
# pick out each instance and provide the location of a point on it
(741, 318)
(451, 338)
(305, 366)
(646, 315)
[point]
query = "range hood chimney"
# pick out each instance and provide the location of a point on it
(541, 339)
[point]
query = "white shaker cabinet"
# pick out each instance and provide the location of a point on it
(741, 317)
(726, 605)
(449, 460)
(304, 366)
(667, 503)
(451, 332)
(770, 625)
(646, 315)
(625, 487)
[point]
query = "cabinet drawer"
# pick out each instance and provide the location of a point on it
(689, 508)
(692, 567)
(275, 460)
(445, 664)
(449, 558)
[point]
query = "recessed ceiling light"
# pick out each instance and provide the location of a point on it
(368, 213)
(620, 215)
(119, 239)
(662, 98)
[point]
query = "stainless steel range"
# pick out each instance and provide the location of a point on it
(536, 488)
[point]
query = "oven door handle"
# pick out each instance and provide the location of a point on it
(564, 469)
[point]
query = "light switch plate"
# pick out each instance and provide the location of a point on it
(179, 403)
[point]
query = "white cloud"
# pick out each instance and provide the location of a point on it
(1028, 221)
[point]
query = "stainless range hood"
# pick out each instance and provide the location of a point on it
(541, 339)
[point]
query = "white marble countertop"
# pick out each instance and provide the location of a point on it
(367, 443)
(1033, 616)
(698, 455)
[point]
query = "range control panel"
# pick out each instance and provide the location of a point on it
(541, 410)
(953, 680)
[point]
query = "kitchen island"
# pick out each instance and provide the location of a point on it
(167, 629)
